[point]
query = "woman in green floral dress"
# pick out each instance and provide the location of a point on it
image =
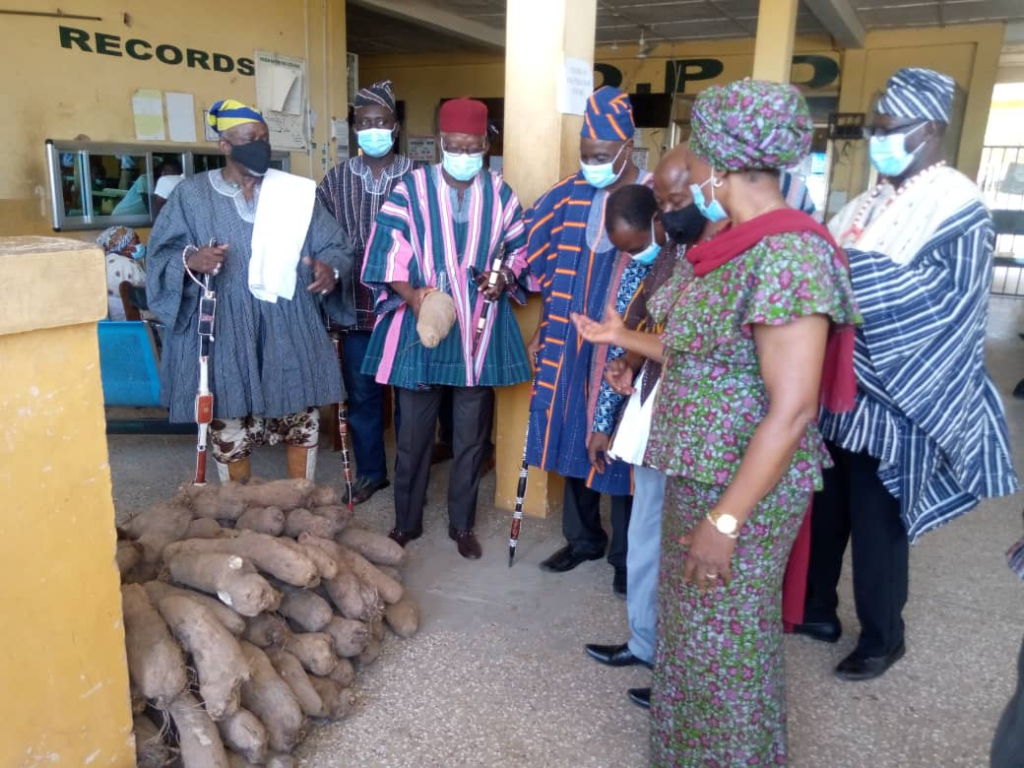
(752, 343)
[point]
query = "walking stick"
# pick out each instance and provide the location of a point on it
(204, 397)
(341, 409)
(492, 280)
(517, 515)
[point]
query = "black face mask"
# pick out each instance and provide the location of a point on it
(684, 225)
(255, 155)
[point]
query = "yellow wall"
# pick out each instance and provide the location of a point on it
(968, 53)
(62, 659)
(53, 92)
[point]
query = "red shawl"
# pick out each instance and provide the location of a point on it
(838, 382)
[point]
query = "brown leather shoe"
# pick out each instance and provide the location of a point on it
(469, 547)
(404, 537)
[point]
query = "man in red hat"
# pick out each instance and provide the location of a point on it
(446, 228)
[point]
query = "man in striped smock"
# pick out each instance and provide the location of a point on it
(580, 270)
(442, 229)
(926, 440)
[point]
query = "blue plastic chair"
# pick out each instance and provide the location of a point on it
(128, 364)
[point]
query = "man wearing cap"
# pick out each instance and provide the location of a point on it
(580, 270)
(353, 192)
(442, 229)
(270, 252)
(926, 440)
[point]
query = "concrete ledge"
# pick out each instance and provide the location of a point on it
(50, 282)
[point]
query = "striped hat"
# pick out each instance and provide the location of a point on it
(228, 113)
(918, 94)
(609, 116)
(379, 94)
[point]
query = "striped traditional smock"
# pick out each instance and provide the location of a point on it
(424, 235)
(921, 264)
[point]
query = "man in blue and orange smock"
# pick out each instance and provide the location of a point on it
(579, 270)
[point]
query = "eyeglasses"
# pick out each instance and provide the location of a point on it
(471, 151)
(870, 131)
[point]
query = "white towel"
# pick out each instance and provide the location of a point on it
(630, 441)
(283, 213)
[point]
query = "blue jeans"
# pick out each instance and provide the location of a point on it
(365, 409)
(642, 558)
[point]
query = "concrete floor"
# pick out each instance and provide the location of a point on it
(497, 674)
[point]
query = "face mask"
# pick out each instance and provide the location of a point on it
(647, 256)
(139, 251)
(889, 153)
(713, 212)
(684, 225)
(603, 175)
(462, 167)
(255, 155)
(376, 142)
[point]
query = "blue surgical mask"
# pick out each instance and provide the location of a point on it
(647, 256)
(139, 251)
(376, 142)
(889, 153)
(713, 212)
(604, 174)
(462, 167)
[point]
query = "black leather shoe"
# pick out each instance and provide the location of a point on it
(857, 667)
(641, 697)
(825, 631)
(566, 559)
(619, 582)
(404, 537)
(469, 547)
(614, 655)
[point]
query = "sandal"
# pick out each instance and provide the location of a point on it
(363, 489)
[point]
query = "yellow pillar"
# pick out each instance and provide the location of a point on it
(541, 146)
(62, 663)
(773, 49)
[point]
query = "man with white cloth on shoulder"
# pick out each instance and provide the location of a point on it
(271, 252)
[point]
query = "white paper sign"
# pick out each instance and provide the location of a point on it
(422, 149)
(148, 110)
(209, 131)
(575, 86)
(181, 117)
(281, 95)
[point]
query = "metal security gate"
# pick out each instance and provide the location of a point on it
(1001, 179)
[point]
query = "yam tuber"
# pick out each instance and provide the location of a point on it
(301, 521)
(198, 738)
(339, 514)
(390, 591)
(323, 496)
(344, 673)
(371, 653)
(242, 732)
(204, 528)
(280, 761)
(268, 520)
(231, 578)
(337, 700)
(278, 557)
(158, 526)
(376, 627)
(325, 564)
(129, 553)
(267, 630)
(216, 653)
(379, 550)
(291, 671)
(283, 494)
(315, 650)
(353, 598)
(270, 698)
(158, 590)
(391, 571)
(221, 502)
(403, 617)
(156, 664)
(150, 749)
(307, 610)
(348, 635)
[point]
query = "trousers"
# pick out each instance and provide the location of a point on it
(473, 411)
(581, 522)
(642, 558)
(853, 506)
(365, 409)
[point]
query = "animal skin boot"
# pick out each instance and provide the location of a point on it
(301, 462)
(240, 471)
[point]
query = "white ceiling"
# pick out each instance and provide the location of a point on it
(620, 21)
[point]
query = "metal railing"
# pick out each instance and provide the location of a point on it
(1001, 180)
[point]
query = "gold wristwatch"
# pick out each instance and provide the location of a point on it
(725, 523)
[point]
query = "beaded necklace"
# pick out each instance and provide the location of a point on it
(864, 217)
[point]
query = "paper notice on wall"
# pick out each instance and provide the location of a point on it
(148, 110)
(339, 132)
(422, 149)
(575, 86)
(181, 117)
(281, 95)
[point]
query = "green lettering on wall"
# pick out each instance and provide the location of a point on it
(679, 72)
(826, 71)
(108, 45)
(132, 49)
(70, 36)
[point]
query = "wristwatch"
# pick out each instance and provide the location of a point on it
(725, 523)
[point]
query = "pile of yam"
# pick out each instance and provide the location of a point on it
(248, 610)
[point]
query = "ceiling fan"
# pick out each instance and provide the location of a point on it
(644, 46)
